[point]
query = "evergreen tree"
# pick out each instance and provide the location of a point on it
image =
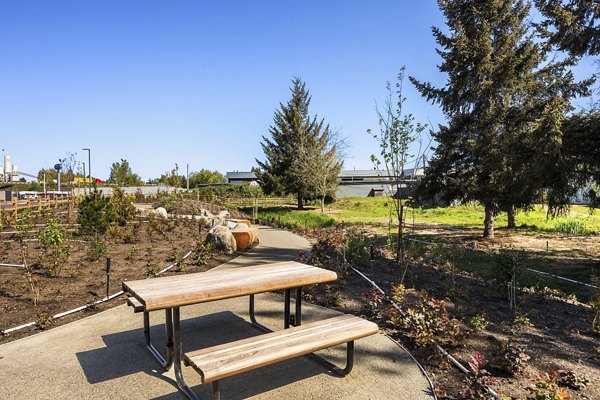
(572, 25)
(502, 104)
(294, 137)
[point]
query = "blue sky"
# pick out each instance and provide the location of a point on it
(191, 82)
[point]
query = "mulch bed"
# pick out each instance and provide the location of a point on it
(137, 250)
(559, 336)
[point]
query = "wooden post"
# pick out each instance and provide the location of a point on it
(28, 203)
(15, 207)
(39, 199)
(55, 202)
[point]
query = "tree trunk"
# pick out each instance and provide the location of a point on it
(300, 201)
(400, 243)
(488, 223)
(511, 218)
(322, 204)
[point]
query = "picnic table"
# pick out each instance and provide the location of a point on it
(172, 292)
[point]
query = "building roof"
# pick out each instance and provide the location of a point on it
(360, 190)
(240, 175)
(373, 173)
(360, 173)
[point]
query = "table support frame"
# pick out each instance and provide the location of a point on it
(174, 346)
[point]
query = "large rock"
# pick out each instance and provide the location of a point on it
(161, 212)
(223, 214)
(222, 238)
(206, 213)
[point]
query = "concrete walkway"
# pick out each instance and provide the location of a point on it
(104, 357)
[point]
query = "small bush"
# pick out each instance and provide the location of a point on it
(521, 321)
(97, 247)
(96, 214)
(478, 380)
(123, 206)
(52, 240)
(547, 388)
(512, 357)
(424, 318)
(510, 264)
(356, 249)
(478, 322)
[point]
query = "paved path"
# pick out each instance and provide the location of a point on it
(103, 356)
(275, 245)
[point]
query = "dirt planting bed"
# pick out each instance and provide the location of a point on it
(137, 250)
(547, 347)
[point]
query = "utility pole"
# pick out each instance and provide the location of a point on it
(187, 175)
(89, 163)
(58, 167)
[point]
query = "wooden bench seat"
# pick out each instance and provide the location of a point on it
(135, 304)
(229, 359)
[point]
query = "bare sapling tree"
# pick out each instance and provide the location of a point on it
(397, 132)
(321, 167)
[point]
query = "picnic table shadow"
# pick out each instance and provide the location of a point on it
(126, 354)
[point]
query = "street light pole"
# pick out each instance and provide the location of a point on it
(89, 163)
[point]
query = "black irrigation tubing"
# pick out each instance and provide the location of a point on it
(440, 349)
(398, 308)
(535, 271)
(89, 305)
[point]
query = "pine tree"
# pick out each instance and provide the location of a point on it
(295, 139)
(503, 108)
(572, 25)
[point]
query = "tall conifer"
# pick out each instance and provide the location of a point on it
(503, 107)
(296, 139)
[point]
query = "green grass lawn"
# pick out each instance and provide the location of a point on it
(369, 209)
(376, 211)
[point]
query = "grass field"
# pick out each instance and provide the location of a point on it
(375, 210)
(375, 213)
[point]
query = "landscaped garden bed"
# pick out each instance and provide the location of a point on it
(56, 267)
(544, 347)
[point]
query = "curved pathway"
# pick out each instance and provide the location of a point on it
(104, 357)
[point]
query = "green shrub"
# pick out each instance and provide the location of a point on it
(96, 213)
(52, 239)
(478, 322)
(512, 357)
(356, 249)
(123, 206)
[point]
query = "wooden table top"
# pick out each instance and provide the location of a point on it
(182, 290)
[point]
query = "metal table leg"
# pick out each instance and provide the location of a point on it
(167, 360)
(288, 319)
(177, 350)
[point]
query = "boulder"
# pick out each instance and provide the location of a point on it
(161, 212)
(222, 238)
(231, 224)
(206, 213)
(223, 214)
